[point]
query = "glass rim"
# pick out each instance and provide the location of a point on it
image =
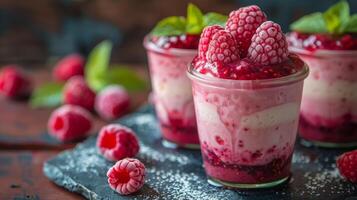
(246, 84)
(323, 52)
(149, 45)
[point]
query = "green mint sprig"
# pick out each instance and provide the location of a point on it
(193, 23)
(336, 20)
(98, 75)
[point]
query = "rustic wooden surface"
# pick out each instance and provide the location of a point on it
(25, 145)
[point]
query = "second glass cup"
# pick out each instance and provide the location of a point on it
(172, 94)
(247, 128)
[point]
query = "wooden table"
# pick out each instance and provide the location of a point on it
(25, 145)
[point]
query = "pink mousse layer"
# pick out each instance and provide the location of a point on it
(247, 135)
(329, 104)
(172, 95)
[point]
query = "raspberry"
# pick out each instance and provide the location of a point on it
(269, 45)
(116, 142)
(205, 39)
(69, 123)
(69, 66)
(77, 92)
(112, 102)
(126, 176)
(222, 48)
(242, 24)
(347, 165)
(14, 83)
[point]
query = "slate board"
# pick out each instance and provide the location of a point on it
(178, 173)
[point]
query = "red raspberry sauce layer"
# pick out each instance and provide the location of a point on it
(178, 42)
(246, 70)
(314, 42)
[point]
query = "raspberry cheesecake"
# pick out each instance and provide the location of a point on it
(171, 46)
(247, 91)
(329, 103)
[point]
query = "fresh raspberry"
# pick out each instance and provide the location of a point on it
(77, 92)
(69, 66)
(69, 123)
(242, 24)
(347, 165)
(14, 83)
(269, 45)
(116, 142)
(126, 176)
(222, 48)
(112, 102)
(205, 39)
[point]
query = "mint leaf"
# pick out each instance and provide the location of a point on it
(213, 18)
(97, 65)
(170, 26)
(351, 26)
(47, 95)
(337, 17)
(312, 23)
(194, 23)
(126, 77)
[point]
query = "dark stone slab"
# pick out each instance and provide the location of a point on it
(178, 174)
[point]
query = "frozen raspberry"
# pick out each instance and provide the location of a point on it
(112, 102)
(77, 92)
(14, 83)
(126, 176)
(222, 48)
(269, 45)
(69, 123)
(116, 142)
(347, 165)
(69, 66)
(205, 39)
(242, 24)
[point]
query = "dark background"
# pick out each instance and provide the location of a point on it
(33, 33)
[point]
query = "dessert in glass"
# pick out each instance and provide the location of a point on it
(171, 46)
(247, 96)
(328, 115)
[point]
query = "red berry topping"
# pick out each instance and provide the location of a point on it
(112, 102)
(116, 142)
(77, 92)
(347, 165)
(126, 176)
(177, 41)
(242, 24)
(269, 45)
(70, 123)
(68, 67)
(222, 48)
(205, 39)
(14, 83)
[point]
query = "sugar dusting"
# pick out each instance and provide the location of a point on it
(149, 153)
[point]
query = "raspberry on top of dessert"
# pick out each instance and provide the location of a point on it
(334, 29)
(184, 32)
(247, 48)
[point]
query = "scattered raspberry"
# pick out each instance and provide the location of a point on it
(242, 24)
(14, 83)
(68, 67)
(77, 92)
(112, 102)
(126, 176)
(69, 123)
(222, 48)
(347, 165)
(205, 39)
(269, 45)
(177, 41)
(116, 142)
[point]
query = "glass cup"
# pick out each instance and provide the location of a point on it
(247, 128)
(172, 94)
(328, 115)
